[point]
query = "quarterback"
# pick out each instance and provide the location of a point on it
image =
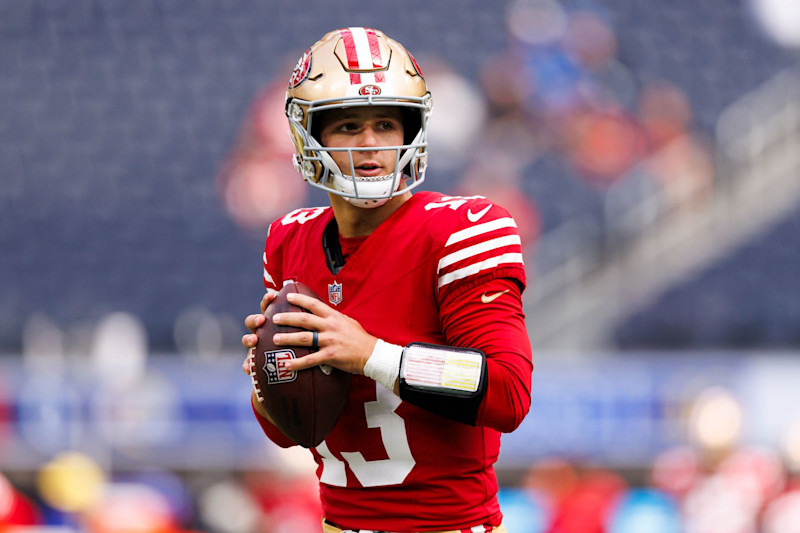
(422, 300)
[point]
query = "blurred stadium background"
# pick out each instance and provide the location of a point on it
(649, 150)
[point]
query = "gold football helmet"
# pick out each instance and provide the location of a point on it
(358, 67)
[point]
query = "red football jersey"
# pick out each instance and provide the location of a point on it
(433, 272)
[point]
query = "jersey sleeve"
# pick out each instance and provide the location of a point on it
(271, 264)
(481, 242)
(271, 430)
(480, 277)
(271, 261)
(487, 314)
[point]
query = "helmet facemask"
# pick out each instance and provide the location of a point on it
(318, 167)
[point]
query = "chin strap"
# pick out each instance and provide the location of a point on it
(333, 248)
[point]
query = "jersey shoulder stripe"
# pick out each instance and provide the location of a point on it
(479, 248)
(486, 227)
(482, 236)
(480, 266)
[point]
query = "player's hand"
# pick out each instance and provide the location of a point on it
(342, 342)
(253, 322)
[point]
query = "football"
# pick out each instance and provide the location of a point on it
(305, 405)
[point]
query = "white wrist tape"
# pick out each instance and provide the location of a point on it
(384, 364)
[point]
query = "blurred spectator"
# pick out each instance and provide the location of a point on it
(43, 345)
(715, 422)
(791, 446)
(16, 509)
(676, 470)
(645, 510)
(757, 472)
(460, 112)
(586, 509)
(681, 158)
(575, 501)
(564, 66)
(287, 495)
(603, 144)
(665, 113)
(226, 507)
(134, 407)
(175, 491)
(71, 482)
(131, 508)
(782, 515)
(497, 177)
(257, 181)
(550, 481)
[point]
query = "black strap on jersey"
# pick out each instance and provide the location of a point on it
(333, 248)
(457, 400)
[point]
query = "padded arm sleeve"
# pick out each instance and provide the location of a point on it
(448, 381)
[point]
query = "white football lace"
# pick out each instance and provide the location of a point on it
(256, 389)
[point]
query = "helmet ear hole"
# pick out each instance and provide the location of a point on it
(316, 125)
(412, 122)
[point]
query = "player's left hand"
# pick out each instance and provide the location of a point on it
(342, 342)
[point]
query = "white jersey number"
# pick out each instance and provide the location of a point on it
(303, 215)
(453, 202)
(391, 471)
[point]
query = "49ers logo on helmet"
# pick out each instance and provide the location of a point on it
(301, 70)
(369, 90)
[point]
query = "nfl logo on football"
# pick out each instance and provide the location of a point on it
(275, 368)
(335, 293)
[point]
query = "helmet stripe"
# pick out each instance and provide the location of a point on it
(354, 42)
(352, 55)
(363, 52)
(375, 49)
(350, 49)
(363, 49)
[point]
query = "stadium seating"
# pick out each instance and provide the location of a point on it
(115, 118)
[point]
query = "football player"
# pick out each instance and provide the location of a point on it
(423, 298)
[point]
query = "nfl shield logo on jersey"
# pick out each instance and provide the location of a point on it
(335, 293)
(275, 366)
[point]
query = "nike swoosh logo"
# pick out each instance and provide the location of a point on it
(474, 217)
(486, 298)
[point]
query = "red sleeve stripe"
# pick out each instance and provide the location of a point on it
(480, 229)
(477, 249)
(479, 267)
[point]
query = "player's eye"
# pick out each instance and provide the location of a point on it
(347, 127)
